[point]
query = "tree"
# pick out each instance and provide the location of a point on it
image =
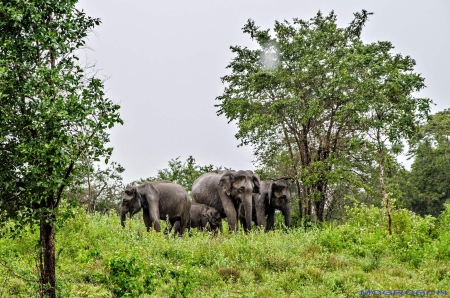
(428, 185)
(182, 173)
(390, 113)
(99, 189)
(52, 114)
(304, 97)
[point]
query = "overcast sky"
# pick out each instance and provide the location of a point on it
(164, 60)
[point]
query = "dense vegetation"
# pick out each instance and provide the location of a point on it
(97, 258)
(53, 114)
(319, 106)
(322, 107)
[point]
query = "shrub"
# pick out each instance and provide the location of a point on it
(125, 276)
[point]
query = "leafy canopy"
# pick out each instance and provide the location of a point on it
(428, 185)
(311, 96)
(52, 111)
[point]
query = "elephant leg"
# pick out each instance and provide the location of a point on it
(176, 227)
(147, 220)
(185, 220)
(270, 220)
(169, 226)
(243, 222)
(154, 216)
(287, 217)
(204, 221)
(260, 217)
(184, 223)
(220, 227)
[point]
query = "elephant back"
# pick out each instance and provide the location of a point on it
(173, 198)
(205, 190)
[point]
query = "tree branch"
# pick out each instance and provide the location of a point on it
(17, 275)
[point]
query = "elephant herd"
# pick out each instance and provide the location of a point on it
(234, 195)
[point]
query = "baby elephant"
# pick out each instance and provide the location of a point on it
(203, 217)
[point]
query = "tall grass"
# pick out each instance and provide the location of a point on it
(97, 258)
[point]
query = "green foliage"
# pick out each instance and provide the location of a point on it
(125, 276)
(442, 245)
(428, 183)
(98, 258)
(52, 111)
(312, 97)
(99, 189)
(181, 173)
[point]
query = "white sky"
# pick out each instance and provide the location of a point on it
(165, 60)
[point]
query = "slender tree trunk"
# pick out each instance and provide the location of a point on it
(300, 203)
(320, 208)
(297, 184)
(319, 205)
(48, 276)
(385, 197)
(47, 235)
(383, 188)
(307, 205)
(89, 204)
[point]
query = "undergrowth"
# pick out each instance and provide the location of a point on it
(96, 257)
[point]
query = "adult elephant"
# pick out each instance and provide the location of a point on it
(226, 191)
(275, 195)
(159, 200)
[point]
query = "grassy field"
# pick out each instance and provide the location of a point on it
(97, 258)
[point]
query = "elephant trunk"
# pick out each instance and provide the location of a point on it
(287, 216)
(248, 212)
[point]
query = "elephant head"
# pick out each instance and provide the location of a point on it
(212, 216)
(132, 202)
(279, 197)
(240, 186)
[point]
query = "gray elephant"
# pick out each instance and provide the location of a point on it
(226, 191)
(275, 195)
(203, 217)
(159, 200)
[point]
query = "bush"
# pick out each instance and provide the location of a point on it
(96, 257)
(125, 276)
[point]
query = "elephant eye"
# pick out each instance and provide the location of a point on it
(283, 198)
(241, 189)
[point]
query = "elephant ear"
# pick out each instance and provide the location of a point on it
(134, 199)
(269, 193)
(226, 180)
(209, 215)
(136, 193)
(205, 219)
(278, 187)
(130, 193)
(256, 184)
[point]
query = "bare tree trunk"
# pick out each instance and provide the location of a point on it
(300, 203)
(385, 198)
(297, 184)
(47, 274)
(308, 209)
(320, 208)
(383, 188)
(47, 230)
(88, 209)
